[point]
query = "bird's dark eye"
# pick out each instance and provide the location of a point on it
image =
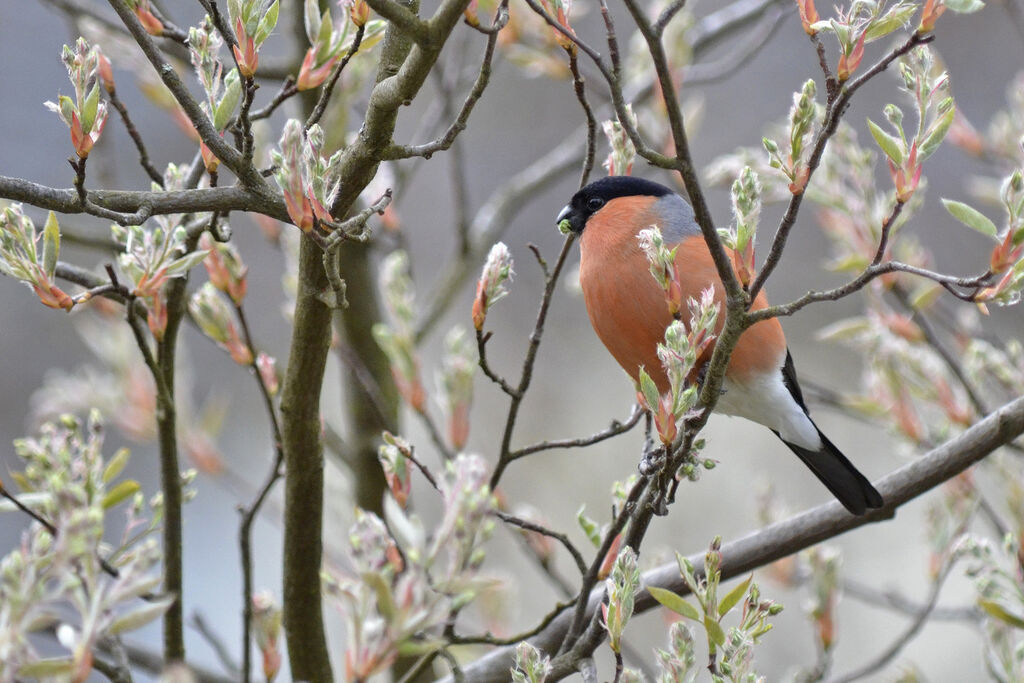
(595, 203)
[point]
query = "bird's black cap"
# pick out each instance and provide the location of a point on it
(591, 198)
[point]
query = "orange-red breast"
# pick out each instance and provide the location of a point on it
(628, 311)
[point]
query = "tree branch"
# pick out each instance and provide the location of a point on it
(796, 533)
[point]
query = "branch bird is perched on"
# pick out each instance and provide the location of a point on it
(628, 311)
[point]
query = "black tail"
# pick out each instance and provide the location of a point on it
(839, 475)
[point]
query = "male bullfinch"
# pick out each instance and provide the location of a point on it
(628, 311)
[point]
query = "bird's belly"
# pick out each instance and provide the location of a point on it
(767, 401)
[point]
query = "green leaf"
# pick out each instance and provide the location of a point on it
(124, 490)
(674, 602)
(179, 267)
(589, 526)
(51, 244)
(116, 465)
(311, 19)
(892, 20)
(734, 596)
(964, 6)
(89, 107)
(323, 38)
(715, 632)
(227, 104)
(971, 217)
(890, 144)
(385, 599)
(649, 389)
(925, 295)
(141, 616)
(47, 668)
(994, 609)
(937, 133)
(267, 23)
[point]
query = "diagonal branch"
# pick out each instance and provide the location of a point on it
(794, 534)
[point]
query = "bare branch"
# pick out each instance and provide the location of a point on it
(528, 362)
(614, 429)
(128, 204)
(442, 143)
(544, 531)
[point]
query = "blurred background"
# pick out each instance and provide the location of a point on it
(578, 389)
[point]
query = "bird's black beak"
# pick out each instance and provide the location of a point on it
(570, 220)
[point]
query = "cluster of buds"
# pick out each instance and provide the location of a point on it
(684, 346)
(309, 181)
(151, 258)
(621, 588)
(398, 339)
(214, 316)
(560, 9)
(928, 87)
(402, 587)
(491, 285)
(223, 93)
(266, 631)
(529, 665)
(74, 488)
(21, 258)
(623, 151)
(394, 456)
(455, 384)
(468, 521)
(801, 125)
(1007, 259)
(678, 660)
(746, 210)
(329, 41)
(144, 14)
(864, 22)
(253, 21)
(996, 576)
(662, 262)
(86, 115)
(738, 654)
(225, 267)
(737, 646)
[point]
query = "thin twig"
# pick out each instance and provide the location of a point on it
(588, 112)
(144, 161)
(328, 88)
(489, 639)
(442, 143)
(614, 429)
(250, 512)
(915, 626)
(544, 531)
(528, 362)
(481, 351)
(215, 642)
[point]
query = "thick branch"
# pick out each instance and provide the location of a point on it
(792, 535)
(221, 199)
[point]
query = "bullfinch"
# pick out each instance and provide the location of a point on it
(628, 311)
